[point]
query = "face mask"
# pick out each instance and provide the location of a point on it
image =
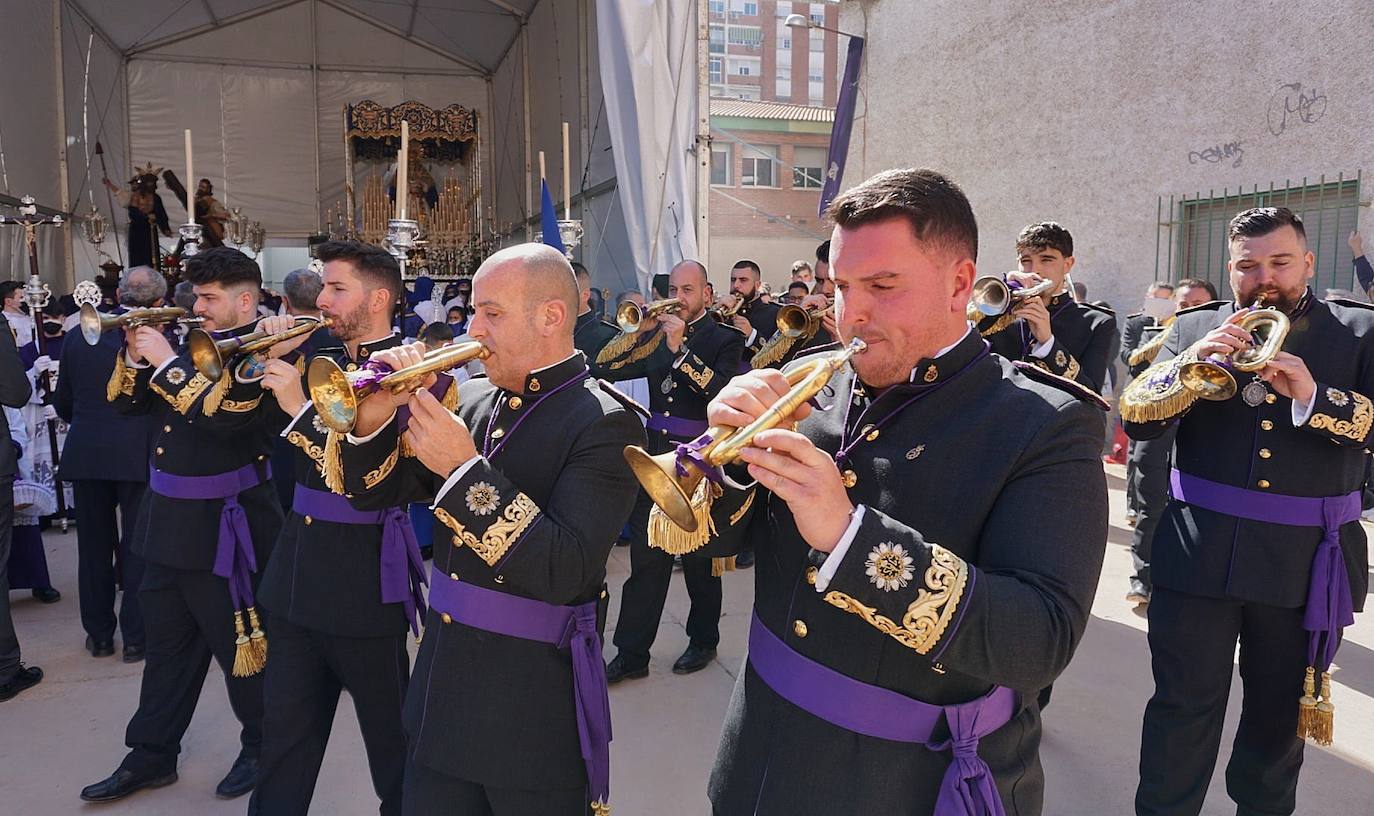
(1158, 308)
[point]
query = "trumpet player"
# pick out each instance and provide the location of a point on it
(1064, 337)
(340, 584)
(754, 318)
(1260, 541)
(208, 521)
(910, 571)
(508, 712)
(696, 359)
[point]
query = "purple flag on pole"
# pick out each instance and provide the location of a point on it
(844, 123)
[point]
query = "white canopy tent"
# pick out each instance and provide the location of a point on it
(262, 86)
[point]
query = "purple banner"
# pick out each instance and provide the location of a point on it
(844, 123)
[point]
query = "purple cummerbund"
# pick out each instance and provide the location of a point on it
(968, 788)
(676, 426)
(564, 627)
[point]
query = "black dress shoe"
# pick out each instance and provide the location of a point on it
(694, 659)
(620, 668)
(47, 595)
(745, 559)
(27, 678)
(99, 648)
(123, 782)
(241, 779)
(134, 653)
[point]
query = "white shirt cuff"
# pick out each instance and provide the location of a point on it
(753, 335)
(453, 479)
(363, 440)
(1301, 413)
(832, 561)
(1043, 350)
(296, 418)
(129, 361)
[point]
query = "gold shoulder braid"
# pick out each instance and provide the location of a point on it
(625, 342)
(121, 380)
(1356, 428)
(929, 615)
(499, 535)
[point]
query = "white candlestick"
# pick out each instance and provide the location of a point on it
(402, 171)
(542, 175)
(567, 176)
(190, 183)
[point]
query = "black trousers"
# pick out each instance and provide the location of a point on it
(1132, 462)
(430, 793)
(188, 618)
(105, 513)
(646, 590)
(9, 641)
(306, 671)
(1192, 640)
(1152, 493)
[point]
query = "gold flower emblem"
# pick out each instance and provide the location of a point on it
(1337, 397)
(1060, 359)
(318, 424)
(482, 499)
(889, 567)
(176, 375)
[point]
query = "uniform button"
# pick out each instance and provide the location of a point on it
(1265, 453)
(1267, 425)
(604, 594)
(811, 573)
(351, 367)
(446, 617)
(262, 457)
(670, 399)
(500, 579)
(166, 428)
(309, 520)
(799, 628)
(872, 436)
(515, 403)
(664, 432)
(159, 451)
(1271, 399)
(453, 575)
(497, 434)
(1263, 484)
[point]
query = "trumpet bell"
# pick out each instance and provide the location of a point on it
(333, 394)
(1213, 380)
(1208, 379)
(671, 492)
(629, 316)
(991, 297)
(94, 324)
(793, 321)
(208, 354)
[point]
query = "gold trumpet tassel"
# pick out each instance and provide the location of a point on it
(618, 347)
(636, 353)
(1307, 705)
(773, 351)
(257, 641)
(216, 395)
(720, 566)
(672, 539)
(1324, 722)
(243, 651)
(1000, 324)
(333, 462)
(113, 387)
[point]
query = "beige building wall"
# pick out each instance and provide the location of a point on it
(773, 255)
(1085, 111)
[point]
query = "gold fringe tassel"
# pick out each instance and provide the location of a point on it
(332, 466)
(116, 383)
(1307, 705)
(1324, 724)
(600, 808)
(720, 566)
(1152, 397)
(257, 639)
(672, 539)
(1148, 352)
(243, 653)
(1002, 322)
(451, 399)
(216, 395)
(774, 350)
(637, 353)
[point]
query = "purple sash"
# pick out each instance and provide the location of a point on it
(1329, 605)
(234, 558)
(967, 788)
(403, 571)
(676, 426)
(565, 627)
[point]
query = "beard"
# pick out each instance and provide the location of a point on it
(350, 326)
(1283, 300)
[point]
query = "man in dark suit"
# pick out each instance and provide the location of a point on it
(507, 713)
(1056, 332)
(208, 521)
(591, 333)
(106, 460)
(913, 588)
(756, 320)
(1260, 542)
(15, 391)
(692, 359)
(1158, 306)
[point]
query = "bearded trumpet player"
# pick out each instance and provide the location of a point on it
(876, 602)
(209, 519)
(1260, 540)
(507, 712)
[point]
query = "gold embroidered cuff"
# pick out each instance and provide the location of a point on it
(1357, 427)
(185, 396)
(122, 380)
(375, 477)
(240, 406)
(700, 376)
(502, 533)
(928, 617)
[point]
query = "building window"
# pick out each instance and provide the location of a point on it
(757, 167)
(808, 168)
(717, 7)
(784, 87)
(743, 70)
(750, 36)
(1193, 230)
(818, 19)
(717, 70)
(786, 43)
(722, 164)
(717, 39)
(815, 77)
(817, 45)
(751, 9)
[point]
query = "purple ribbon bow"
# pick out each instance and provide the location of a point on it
(968, 787)
(234, 558)
(689, 455)
(1329, 605)
(593, 699)
(403, 571)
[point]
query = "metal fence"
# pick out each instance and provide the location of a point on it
(1191, 241)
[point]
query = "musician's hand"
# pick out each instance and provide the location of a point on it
(1288, 375)
(148, 343)
(816, 302)
(376, 410)
(1037, 316)
(742, 323)
(674, 329)
(438, 436)
(284, 381)
(1356, 243)
(805, 477)
(747, 396)
(1024, 279)
(1225, 339)
(277, 324)
(828, 323)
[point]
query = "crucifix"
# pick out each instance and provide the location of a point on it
(29, 219)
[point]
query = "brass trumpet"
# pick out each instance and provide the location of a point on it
(1212, 379)
(724, 314)
(673, 492)
(336, 393)
(992, 297)
(630, 316)
(210, 356)
(94, 324)
(795, 324)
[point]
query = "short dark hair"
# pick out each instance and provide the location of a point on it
(582, 273)
(934, 206)
(377, 268)
(799, 285)
(7, 288)
(1046, 235)
(436, 333)
(1161, 284)
(823, 252)
(748, 264)
(225, 266)
(1199, 283)
(302, 288)
(1258, 221)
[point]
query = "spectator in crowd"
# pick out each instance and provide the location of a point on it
(15, 677)
(1364, 271)
(802, 271)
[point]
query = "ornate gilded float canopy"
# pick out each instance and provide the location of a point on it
(446, 134)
